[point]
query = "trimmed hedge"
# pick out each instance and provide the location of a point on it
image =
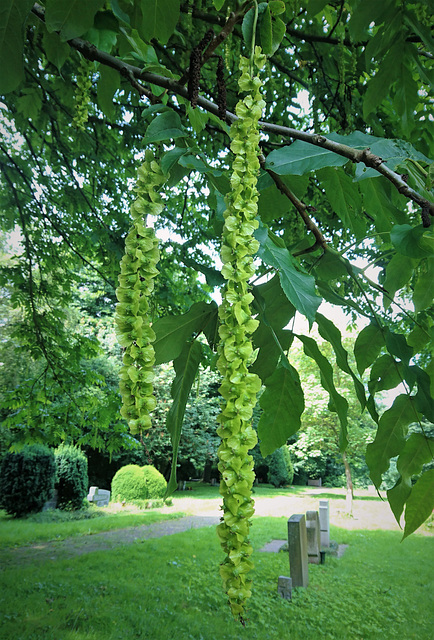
(72, 478)
(155, 482)
(129, 484)
(280, 469)
(27, 480)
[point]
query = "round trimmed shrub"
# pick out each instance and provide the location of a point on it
(129, 483)
(72, 478)
(155, 482)
(27, 479)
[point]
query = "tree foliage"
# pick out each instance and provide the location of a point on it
(345, 184)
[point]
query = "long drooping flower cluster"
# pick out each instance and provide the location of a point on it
(239, 387)
(136, 282)
(82, 94)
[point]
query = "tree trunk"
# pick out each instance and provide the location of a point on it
(349, 481)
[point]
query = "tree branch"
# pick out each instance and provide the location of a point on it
(364, 156)
(320, 241)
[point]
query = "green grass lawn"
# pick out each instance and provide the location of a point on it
(55, 525)
(168, 588)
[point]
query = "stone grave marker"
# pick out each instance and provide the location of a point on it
(284, 587)
(324, 523)
(297, 549)
(313, 537)
(100, 497)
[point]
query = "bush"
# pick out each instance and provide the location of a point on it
(155, 482)
(27, 480)
(129, 483)
(72, 478)
(280, 470)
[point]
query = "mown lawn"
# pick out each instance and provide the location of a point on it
(59, 525)
(168, 588)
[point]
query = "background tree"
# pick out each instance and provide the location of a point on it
(346, 180)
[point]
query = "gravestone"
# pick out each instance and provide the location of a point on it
(313, 537)
(99, 497)
(52, 502)
(324, 523)
(284, 587)
(297, 549)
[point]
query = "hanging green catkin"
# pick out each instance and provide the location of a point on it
(239, 387)
(136, 282)
(82, 94)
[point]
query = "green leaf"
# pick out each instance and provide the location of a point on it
(186, 366)
(329, 331)
(390, 438)
(71, 18)
(13, 15)
(412, 241)
(424, 289)
(274, 313)
(55, 50)
(337, 402)
(420, 504)
(172, 332)
(368, 345)
(424, 401)
(386, 373)
(276, 7)
(298, 287)
(166, 126)
(265, 31)
(378, 204)
(398, 273)
(159, 19)
(282, 403)
(378, 86)
(218, 4)
(344, 198)
(108, 84)
(418, 450)
(300, 158)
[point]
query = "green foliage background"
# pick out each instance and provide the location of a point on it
(345, 184)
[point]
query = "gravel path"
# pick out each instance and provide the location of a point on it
(62, 549)
(367, 514)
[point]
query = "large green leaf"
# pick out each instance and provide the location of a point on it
(166, 126)
(412, 241)
(13, 15)
(424, 289)
(424, 400)
(337, 402)
(378, 204)
(282, 403)
(172, 332)
(298, 287)
(70, 18)
(378, 86)
(390, 438)
(344, 198)
(186, 366)
(108, 84)
(386, 373)
(159, 19)
(329, 331)
(418, 450)
(398, 273)
(274, 313)
(300, 158)
(368, 345)
(420, 504)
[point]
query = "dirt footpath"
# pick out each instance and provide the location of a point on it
(368, 513)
